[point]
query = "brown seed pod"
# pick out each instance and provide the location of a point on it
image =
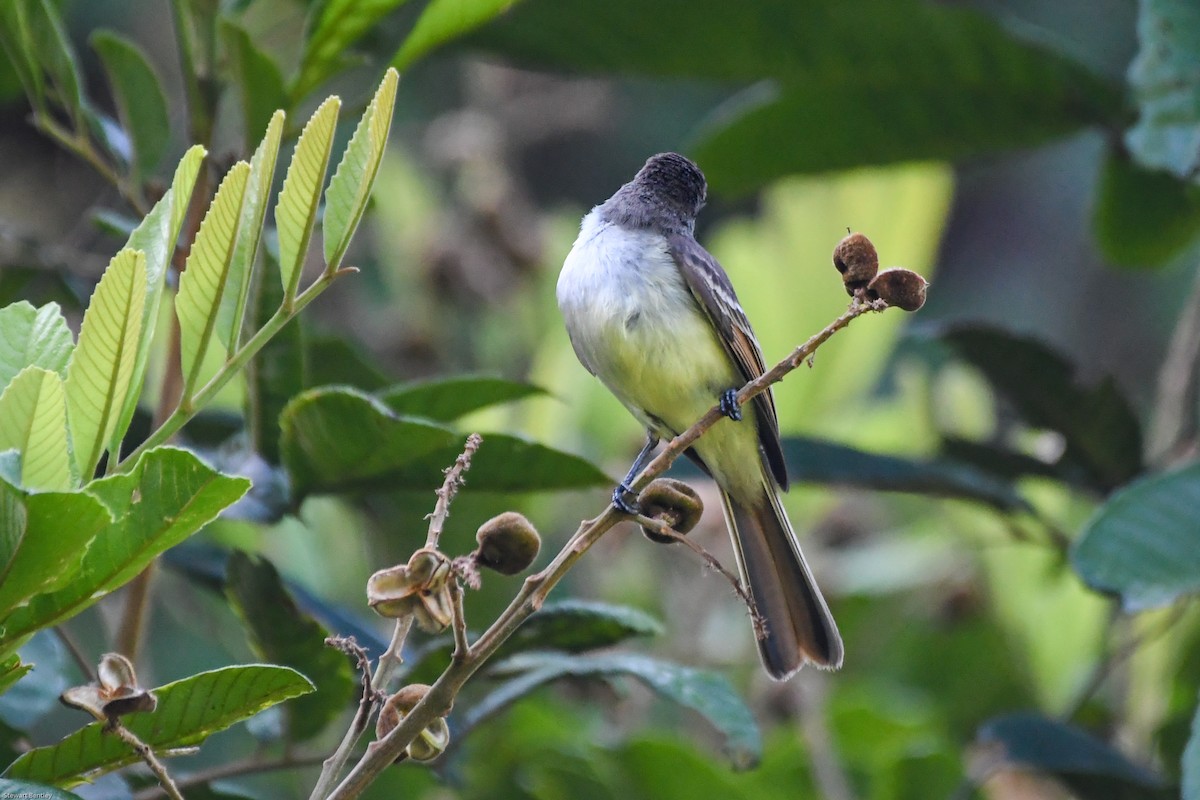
(508, 543)
(431, 742)
(899, 287)
(673, 502)
(856, 259)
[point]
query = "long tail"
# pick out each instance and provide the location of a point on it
(800, 628)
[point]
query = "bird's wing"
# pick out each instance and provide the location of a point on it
(715, 295)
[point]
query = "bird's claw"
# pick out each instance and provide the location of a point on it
(729, 405)
(621, 504)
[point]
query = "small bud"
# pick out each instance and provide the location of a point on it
(673, 502)
(429, 743)
(899, 287)
(116, 695)
(856, 259)
(508, 543)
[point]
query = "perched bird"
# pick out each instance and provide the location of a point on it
(654, 316)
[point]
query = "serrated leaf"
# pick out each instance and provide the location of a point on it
(43, 538)
(446, 399)
(338, 24)
(281, 633)
(707, 693)
(1141, 544)
(1165, 79)
(203, 281)
(188, 712)
(100, 374)
(167, 496)
(185, 176)
(39, 790)
(257, 77)
(33, 419)
(350, 188)
(296, 211)
(52, 47)
(141, 104)
(232, 310)
(443, 20)
(155, 236)
(1143, 217)
(1091, 768)
(33, 337)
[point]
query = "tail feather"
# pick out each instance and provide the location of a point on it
(800, 628)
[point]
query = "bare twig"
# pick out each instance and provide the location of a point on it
(145, 752)
(462, 648)
(529, 599)
(454, 481)
(248, 766)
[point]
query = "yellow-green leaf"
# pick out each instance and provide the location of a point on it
(350, 188)
(443, 20)
(101, 367)
(336, 26)
(33, 419)
(296, 210)
(254, 210)
(203, 280)
(185, 175)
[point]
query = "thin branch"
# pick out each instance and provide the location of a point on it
(248, 766)
(147, 754)
(1173, 429)
(458, 620)
(82, 147)
(450, 486)
(529, 599)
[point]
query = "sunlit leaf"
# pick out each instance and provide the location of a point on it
(257, 78)
(446, 399)
(189, 711)
(282, 634)
(33, 419)
(296, 211)
(442, 21)
(166, 497)
(203, 281)
(100, 374)
(141, 104)
(337, 25)
(350, 188)
(1141, 544)
(232, 311)
(33, 337)
(185, 176)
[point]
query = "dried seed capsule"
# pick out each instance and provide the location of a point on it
(899, 287)
(429, 743)
(673, 502)
(508, 543)
(856, 259)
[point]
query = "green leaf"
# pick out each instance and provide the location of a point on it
(283, 634)
(1144, 217)
(296, 211)
(277, 373)
(446, 399)
(33, 337)
(1091, 769)
(350, 188)
(870, 82)
(155, 236)
(33, 419)
(43, 538)
(141, 104)
(167, 496)
(259, 81)
(52, 47)
(1141, 544)
(332, 359)
(100, 374)
(232, 310)
(707, 693)
(11, 671)
(442, 21)
(1191, 762)
(17, 42)
(189, 711)
(338, 439)
(337, 25)
(1103, 436)
(1165, 78)
(39, 790)
(203, 281)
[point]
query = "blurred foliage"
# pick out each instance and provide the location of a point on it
(990, 501)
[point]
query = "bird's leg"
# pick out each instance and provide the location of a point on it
(623, 491)
(729, 405)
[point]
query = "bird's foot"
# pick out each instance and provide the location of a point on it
(619, 501)
(729, 405)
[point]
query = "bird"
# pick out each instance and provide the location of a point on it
(654, 316)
